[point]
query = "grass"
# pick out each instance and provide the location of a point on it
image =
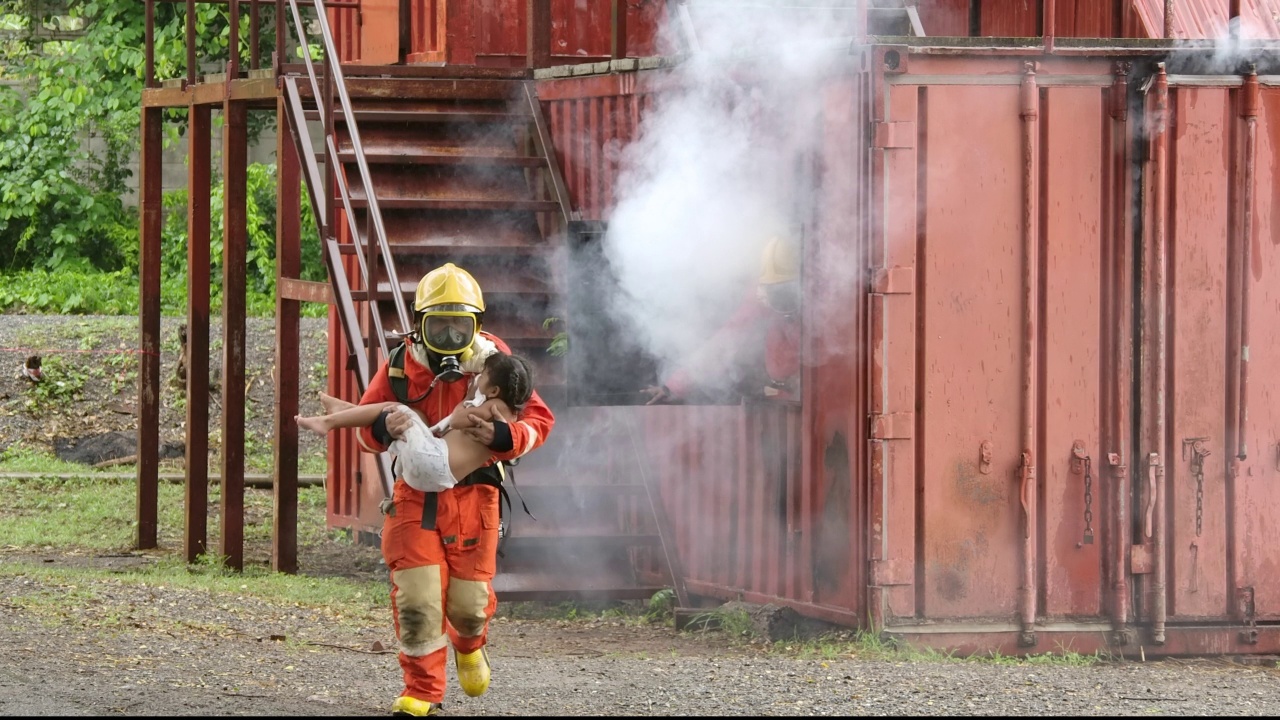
(97, 514)
(89, 515)
(209, 576)
(868, 645)
(21, 458)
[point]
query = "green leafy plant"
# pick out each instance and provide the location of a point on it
(69, 122)
(559, 346)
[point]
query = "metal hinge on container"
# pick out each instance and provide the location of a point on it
(891, 426)
(891, 572)
(896, 280)
(893, 135)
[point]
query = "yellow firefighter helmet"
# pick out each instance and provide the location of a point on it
(780, 263)
(450, 307)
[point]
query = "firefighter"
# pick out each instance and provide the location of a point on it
(758, 347)
(441, 548)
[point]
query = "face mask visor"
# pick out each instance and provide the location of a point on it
(448, 332)
(783, 297)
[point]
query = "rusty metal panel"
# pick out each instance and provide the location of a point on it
(378, 29)
(944, 18)
(1009, 18)
(834, 393)
(732, 487)
(892, 512)
(345, 24)
(591, 119)
(344, 453)
(494, 32)
(1200, 205)
(992, 151)
(1072, 459)
(1254, 534)
(969, 347)
(1207, 19)
(1084, 18)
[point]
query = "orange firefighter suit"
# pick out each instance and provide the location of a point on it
(441, 548)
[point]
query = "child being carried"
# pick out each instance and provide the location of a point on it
(436, 458)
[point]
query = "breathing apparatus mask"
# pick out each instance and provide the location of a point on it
(449, 308)
(448, 332)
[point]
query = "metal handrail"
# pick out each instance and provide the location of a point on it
(334, 67)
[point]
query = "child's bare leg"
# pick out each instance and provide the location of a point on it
(332, 404)
(353, 416)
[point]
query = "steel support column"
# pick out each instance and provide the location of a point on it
(150, 186)
(284, 538)
(199, 180)
(235, 160)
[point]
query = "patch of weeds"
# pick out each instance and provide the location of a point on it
(86, 512)
(20, 458)
(735, 623)
(661, 606)
(314, 464)
(63, 380)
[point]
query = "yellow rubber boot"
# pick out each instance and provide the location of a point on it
(405, 705)
(473, 671)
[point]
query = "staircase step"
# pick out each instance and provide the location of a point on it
(435, 158)
(423, 116)
(434, 138)
(469, 232)
(359, 88)
(451, 251)
(401, 203)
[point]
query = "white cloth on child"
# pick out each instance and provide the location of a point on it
(481, 349)
(423, 458)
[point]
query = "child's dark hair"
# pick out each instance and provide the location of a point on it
(513, 376)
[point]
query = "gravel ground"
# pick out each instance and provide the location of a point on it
(113, 648)
(108, 647)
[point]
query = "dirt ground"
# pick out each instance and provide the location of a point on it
(106, 647)
(95, 358)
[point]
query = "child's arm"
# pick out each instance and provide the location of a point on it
(355, 416)
(461, 418)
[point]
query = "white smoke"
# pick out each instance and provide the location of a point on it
(713, 172)
(1236, 44)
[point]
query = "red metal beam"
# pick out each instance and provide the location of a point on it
(151, 185)
(233, 41)
(539, 33)
(1249, 101)
(284, 535)
(1159, 240)
(193, 68)
(199, 181)
(618, 30)
(235, 154)
(149, 54)
(1030, 111)
(1118, 317)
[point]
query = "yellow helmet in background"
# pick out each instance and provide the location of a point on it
(449, 307)
(781, 261)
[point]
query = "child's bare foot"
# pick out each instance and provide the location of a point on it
(332, 404)
(316, 425)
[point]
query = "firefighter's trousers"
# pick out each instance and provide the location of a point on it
(440, 578)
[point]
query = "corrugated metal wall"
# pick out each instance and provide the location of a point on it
(961, 468)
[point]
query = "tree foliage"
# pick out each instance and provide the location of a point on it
(69, 121)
